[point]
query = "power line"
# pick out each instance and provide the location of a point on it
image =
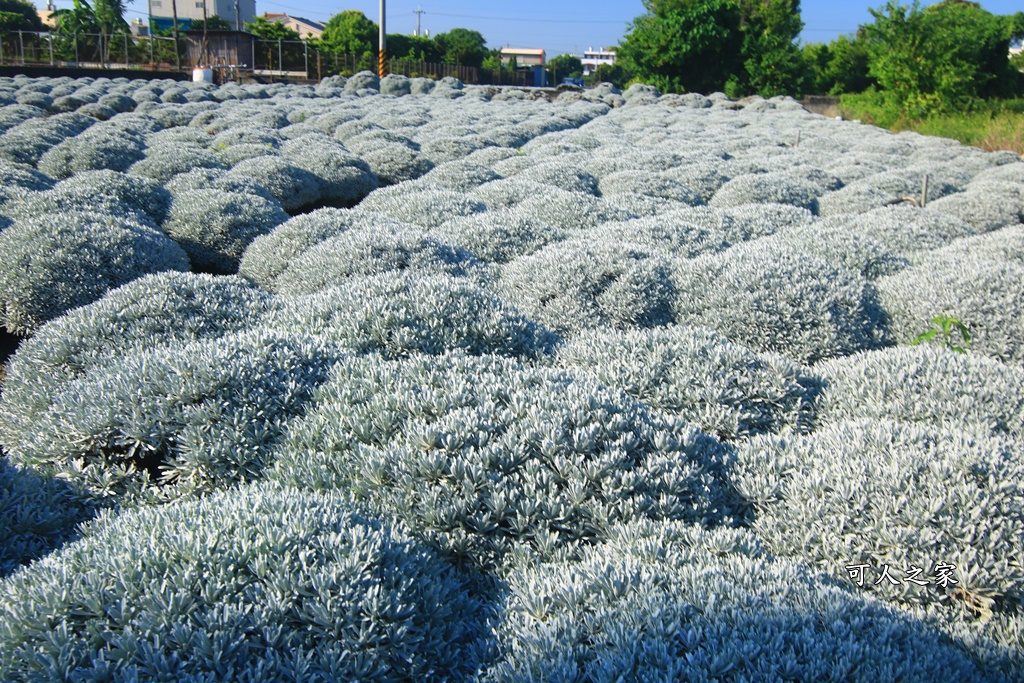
(533, 20)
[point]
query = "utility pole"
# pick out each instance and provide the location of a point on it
(382, 55)
(177, 50)
(238, 17)
(418, 12)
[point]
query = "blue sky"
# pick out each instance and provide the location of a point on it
(567, 26)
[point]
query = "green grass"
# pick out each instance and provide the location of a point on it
(992, 125)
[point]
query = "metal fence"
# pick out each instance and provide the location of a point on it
(269, 58)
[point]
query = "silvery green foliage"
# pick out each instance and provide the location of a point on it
(461, 176)
(163, 163)
(648, 185)
(35, 99)
(900, 495)
(640, 93)
(580, 284)
(923, 384)
(562, 175)
(17, 180)
(778, 188)
(292, 186)
(28, 141)
(985, 205)
(376, 247)
(771, 297)
(110, 192)
(12, 115)
(395, 85)
(396, 315)
(424, 205)
(37, 514)
(668, 602)
(295, 586)
(723, 388)
(344, 178)
(52, 263)
(214, 227)
(479, 454)
(703, 176)
(978, 280)
(422, 86)
(364, 80)
(497, 236)
(393, 158)
(217, 179)
(118, 102)
(270, 255)
(570, 210)
(882, 189)
(102, 146)
(175, 419)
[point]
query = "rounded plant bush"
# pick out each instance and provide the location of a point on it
(292, 186)
(38, 514)
(913, 384)
(163, 163)
(772, 298)
(985, 206)
(424, 205)
(176, 419)
(364, 80)
(905, 497)
(398, 315)
(778, 188)
(56, 262)
(384, 247)
(581, 284)
(644, 184)
(672, 602)
(571, 210)
(976, 280)
(344, 178)
(497, 236)
(723, 388)
(480, 454)
(215, 227)
(117, 194)
(17, 180)
(461, 176)
(255, 584)
(395, 85)
(29, 140)
(102, 146)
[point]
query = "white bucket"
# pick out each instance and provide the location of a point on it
(202, 75)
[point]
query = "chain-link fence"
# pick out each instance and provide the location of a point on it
(88, 50)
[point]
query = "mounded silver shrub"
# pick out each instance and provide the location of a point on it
(985, 206)
(423, 205)
(364, 80)
(880, 493)
(582, 284)
(396, 315)
(100, 147)
(570, 210)
(29, 140)
(777, 188)
(294, 586)
(479, 454)
(461, 176)
(38, 514)
(723, 388)
(772, 297)
(56, 262)
(978, 280)
(344, 178)
(163, 163)
(664, 601)
(497, 236)
(882, 189)
(646, 184)
(371, 249)
(117, 194)
(17, 180)
(395, 85)
(923, 384)
(175, 419)
(292, 186)
(392, 158)
(214, 227)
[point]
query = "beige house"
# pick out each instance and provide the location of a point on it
(525, 56)
(306, 28)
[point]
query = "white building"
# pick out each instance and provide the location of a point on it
(235, 12)
(594, 58)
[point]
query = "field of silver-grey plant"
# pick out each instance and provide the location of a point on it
(394, 379)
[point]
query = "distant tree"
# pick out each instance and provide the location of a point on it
(772, 64)
(212, 23)
(836, 68)
(616, 74)
(266, 29)
(941, 58)
(565, 66)
(349, 32)
(413, 48)
(19, 15)
(462, 46)
(685, 45)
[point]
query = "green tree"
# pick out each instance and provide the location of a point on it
(941, 58)
(266, 29)
(18, 15)
(836, 68)
(616, 74)
(349, 32)
(212, 23)
(462, 46)
(685, 45)
(566, 66)
(772, 64)
(413, 48)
